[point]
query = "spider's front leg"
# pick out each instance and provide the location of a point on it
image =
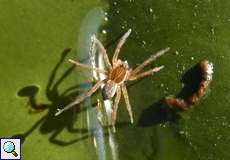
(102, 51)
(119, 45)
(81, 98)
(146, 73)
(149, 60)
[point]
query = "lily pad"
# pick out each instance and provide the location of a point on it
(38, 37)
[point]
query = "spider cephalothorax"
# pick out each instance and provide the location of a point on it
(116, 77)
(117, 74)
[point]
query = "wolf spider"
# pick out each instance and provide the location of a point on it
(117, 74)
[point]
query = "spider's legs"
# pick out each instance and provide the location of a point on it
(80, 98)
(115, 106)
(87, 66)
(146, 73)
(129, 108)
(119, 45)
(102, 51)
(149, 60)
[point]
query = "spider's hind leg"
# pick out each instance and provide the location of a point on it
(115, 106)
(87, 66)
(128, 106)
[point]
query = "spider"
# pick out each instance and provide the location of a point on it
(117, 74)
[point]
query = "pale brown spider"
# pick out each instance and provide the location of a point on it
(117, 73)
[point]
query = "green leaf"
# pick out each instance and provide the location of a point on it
(37, 38)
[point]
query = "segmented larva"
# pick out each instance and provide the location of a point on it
(206, 69)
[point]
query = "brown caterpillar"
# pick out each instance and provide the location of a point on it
(206, 69)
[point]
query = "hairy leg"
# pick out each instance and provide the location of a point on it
(119, 45)
(146, 73)
(149, 60)
(80, 98)
(87, 66)
(103, 51)
(115, 106)
(126, 96)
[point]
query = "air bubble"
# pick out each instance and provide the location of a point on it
(182, 85)
(183, 68)
(178, 26)
(104, 31)
(219, 137)
(213, 31)
(194, 26)
(150, 10)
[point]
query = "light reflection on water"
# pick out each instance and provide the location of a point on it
(86, 50)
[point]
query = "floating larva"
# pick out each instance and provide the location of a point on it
(180, 103)
(206, 69)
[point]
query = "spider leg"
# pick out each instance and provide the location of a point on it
(146, 73)
(87, 66)
(103, 51)
(126, 96)
(119, 45)
(115, 106)
(149, 60)
(80, 98)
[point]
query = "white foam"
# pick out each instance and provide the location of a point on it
(210, 71)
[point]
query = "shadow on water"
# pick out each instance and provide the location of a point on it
(159, 112)
(49, 123)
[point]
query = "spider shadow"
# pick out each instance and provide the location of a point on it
(159, 112)
(49, 123)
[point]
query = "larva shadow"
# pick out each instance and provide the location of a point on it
(157, 113)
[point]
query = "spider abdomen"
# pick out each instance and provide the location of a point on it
(109, 89)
